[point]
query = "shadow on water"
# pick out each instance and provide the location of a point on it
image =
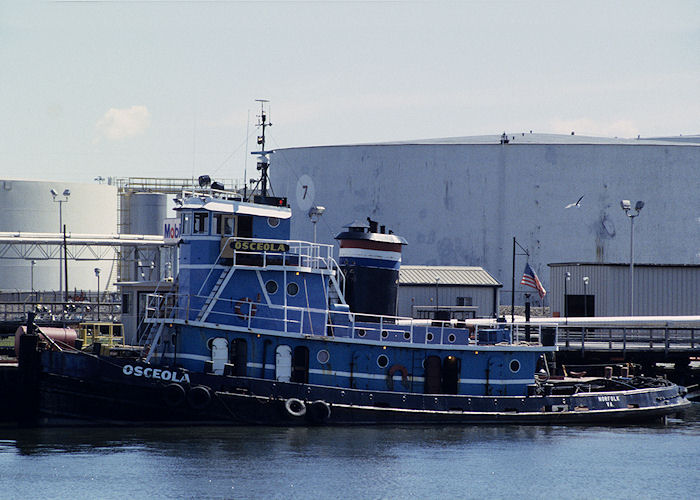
(348, 441)
(355, 462)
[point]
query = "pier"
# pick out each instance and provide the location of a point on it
(668, 345)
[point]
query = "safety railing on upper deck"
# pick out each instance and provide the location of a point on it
(261, 252)
(261, 316)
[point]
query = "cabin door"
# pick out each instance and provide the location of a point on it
(219, 354)
(283, 363)
(433, 375)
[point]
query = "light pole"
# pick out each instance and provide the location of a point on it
(627, 207)
(567, 278)
(585, 295)
(97, 273)
(437, 298)
(315, 214)
(66, 194)
(32, 278)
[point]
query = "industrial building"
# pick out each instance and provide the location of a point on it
(461, 201)
(462, 291)
(594, 289)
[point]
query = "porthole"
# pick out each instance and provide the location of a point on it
(429, 337)
(382, 361)
(451, 338)
(360, 333)
(385, 334)
(271, 287)
(292, 289)
(406, 335)
(515, 366)
(323, 356)
(273, 221)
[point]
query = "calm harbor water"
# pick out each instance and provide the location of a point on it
(375, 462)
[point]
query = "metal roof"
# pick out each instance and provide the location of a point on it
(448, 275)
(537, 138)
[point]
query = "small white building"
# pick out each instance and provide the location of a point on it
(463, 291)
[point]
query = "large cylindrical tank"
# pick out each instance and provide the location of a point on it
(29, 206)
(370, 260)
(146, 213)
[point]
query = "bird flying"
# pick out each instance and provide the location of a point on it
(577, 204)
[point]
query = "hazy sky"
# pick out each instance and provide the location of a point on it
(125, 88)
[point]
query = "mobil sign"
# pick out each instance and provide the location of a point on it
(171, 230)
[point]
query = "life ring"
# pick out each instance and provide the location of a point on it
(319, 411)
(390, 376)
(174, 395)
(199, 397)
(295, 407)
(252, 308)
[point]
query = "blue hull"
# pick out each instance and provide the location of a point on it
(86, 389)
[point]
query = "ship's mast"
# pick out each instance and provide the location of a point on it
(263, 159)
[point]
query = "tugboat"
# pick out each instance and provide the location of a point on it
(260, 329)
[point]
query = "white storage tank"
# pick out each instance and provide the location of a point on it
(146, 213)
(28, 206)
(460, 201)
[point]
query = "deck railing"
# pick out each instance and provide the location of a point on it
(324, 322)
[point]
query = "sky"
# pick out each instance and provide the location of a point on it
(168, 88)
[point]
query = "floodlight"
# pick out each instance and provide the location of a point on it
(316, 211)
(54, 193)
(66, 192)
(639, 205)
(625, 204)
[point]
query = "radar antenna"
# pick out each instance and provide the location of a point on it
(263, 154)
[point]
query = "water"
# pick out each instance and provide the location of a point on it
(376, 462)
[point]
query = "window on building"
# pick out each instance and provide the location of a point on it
(464, 301)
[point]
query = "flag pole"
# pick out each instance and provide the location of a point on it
(512, 289)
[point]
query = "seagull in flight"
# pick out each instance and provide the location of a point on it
(577, 204)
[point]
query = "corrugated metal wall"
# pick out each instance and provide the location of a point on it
(658, 290)
(410, 295)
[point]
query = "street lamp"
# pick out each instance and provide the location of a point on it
(585, 295)
(97, 273)
(437, 298)
(567, 278)
(627, 207)
(66, 194)
(315, 214)
(32, 276)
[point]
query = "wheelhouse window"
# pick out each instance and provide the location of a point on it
(223, 224)
(187, 223)
(201, 220)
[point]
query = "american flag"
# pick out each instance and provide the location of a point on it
(530, 279)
